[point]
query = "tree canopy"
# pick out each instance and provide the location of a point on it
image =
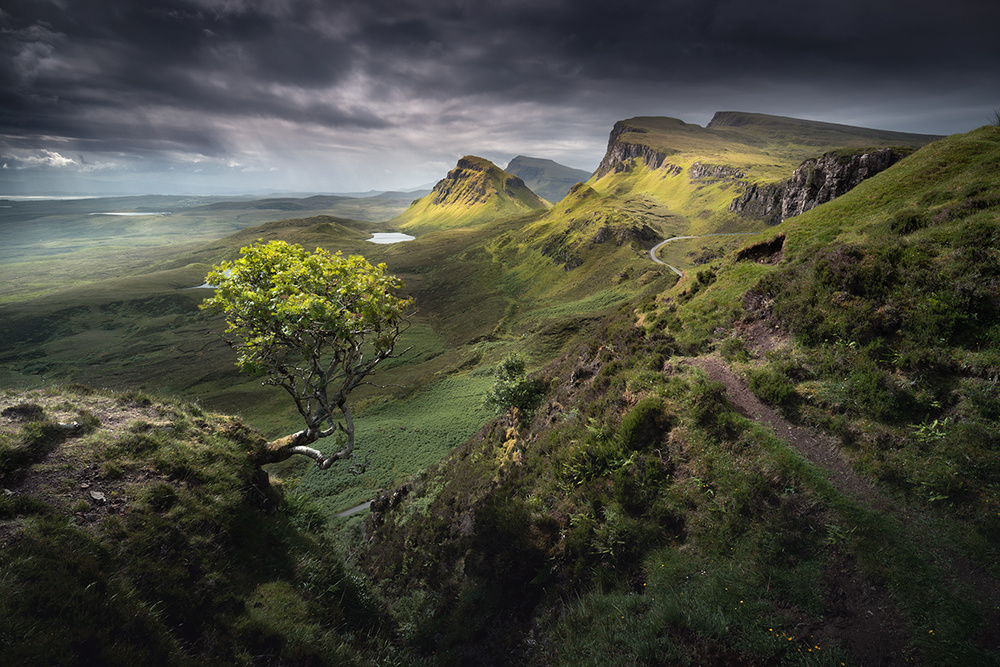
(315, 323)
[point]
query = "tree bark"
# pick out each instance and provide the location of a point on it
(298, 443)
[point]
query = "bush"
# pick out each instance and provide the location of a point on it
(733, 349)
(771, 386)
(644, 426)
(513, 389)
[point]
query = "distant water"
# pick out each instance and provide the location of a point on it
(133, 213)
(48, 197)
(390, 237)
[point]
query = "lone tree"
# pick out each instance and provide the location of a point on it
(316, 324)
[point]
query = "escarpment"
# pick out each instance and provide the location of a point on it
(814, 182)
(621, 152)
(831, 175)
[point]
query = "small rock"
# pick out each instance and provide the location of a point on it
(98, 496)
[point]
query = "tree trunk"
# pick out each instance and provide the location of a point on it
(288, 446)
(285, 448)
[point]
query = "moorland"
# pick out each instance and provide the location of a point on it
(782, 451)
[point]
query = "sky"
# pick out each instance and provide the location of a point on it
(253, 96)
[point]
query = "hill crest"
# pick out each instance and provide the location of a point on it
(475, 191)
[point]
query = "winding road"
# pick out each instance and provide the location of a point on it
(656, 248)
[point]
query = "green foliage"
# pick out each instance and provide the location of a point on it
(644, 426)
(317, 324)
(732, 349)
(771, 385)
(512, 388)
(285, 305)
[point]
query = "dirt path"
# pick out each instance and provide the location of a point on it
(820, 450)
(823, 451)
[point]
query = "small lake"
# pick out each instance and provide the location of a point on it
(390, 237)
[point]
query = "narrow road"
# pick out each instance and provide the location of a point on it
(656, 248)
(354, 510)
(653, 252)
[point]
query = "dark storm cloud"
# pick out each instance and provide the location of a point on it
(212, 77)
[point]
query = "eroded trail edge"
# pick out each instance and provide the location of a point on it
(818, 449)
(823, 451)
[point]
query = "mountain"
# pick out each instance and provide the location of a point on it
(703, 172)
(475, 191)
(546, 178)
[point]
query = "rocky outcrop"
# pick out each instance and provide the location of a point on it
(475, 191)
(714, 173)
(814, 182)
(621, 153)
(475, 181)
(760, 201)
(831, 175)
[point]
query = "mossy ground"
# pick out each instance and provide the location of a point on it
(143, 536)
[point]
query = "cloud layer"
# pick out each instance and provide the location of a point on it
(242, 95)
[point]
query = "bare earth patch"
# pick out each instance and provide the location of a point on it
(68, 476)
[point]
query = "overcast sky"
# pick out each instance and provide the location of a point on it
(186, 96)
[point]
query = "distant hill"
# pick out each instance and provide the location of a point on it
(475, 191)
(313, 203)
(546, 178)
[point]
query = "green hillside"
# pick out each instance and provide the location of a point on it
(892, 296)
(697, 171)
(788, 458)
(141, 536)
(475, 191)
(784, 456)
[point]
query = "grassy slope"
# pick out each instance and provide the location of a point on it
(681, 532)
(142, 538)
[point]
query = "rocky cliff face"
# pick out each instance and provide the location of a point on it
(621, 153)
(814, 182)
(714, 173)
(831, 175)
(760, 202)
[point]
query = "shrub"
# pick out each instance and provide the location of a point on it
(908, 221)
(771, 386)
(644, 426)
(513, 389)
(733, 349)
